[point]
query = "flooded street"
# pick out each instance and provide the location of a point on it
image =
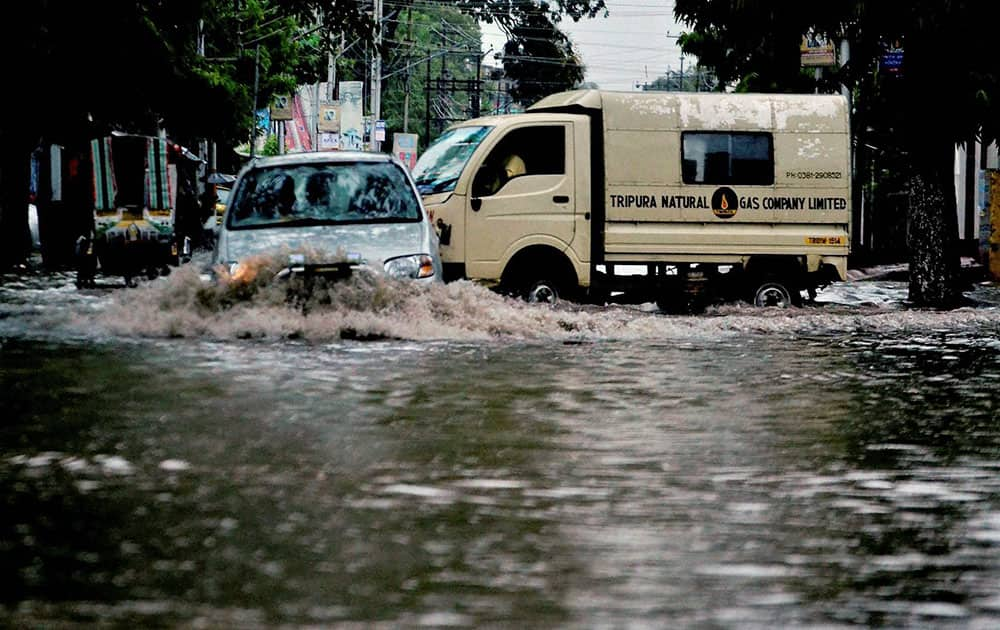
(450, 458)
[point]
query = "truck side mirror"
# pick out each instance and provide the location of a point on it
(444, 232)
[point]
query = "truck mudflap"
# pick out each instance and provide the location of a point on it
(834, 267)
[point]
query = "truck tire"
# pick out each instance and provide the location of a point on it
(543, 292)
(771, 290)
(540, 274)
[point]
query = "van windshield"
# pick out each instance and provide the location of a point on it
(314, 194)
(441, 165)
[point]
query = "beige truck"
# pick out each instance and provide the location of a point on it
(677, 198)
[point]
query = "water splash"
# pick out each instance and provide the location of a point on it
(371, 306)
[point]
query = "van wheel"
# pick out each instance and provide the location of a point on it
(772, 291)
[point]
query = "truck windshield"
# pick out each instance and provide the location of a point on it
(308, 194)
(441, 165)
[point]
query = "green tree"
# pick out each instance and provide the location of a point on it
(440, 39)
(539, 58)
(936, 103)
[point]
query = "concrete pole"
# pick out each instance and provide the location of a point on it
(314, 123)
(253, 112)
(406, 98)
(406, 105)
(331, 71)
(377, 73)
(202, 143)
(845, 56)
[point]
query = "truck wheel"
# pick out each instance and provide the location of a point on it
(672, 304)
(542, 292)
(772, 291)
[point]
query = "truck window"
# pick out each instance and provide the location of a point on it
(535, 150)
(716, 158)
(441, 165)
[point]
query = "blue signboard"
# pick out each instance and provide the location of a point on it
(891, 60)
(264, 119)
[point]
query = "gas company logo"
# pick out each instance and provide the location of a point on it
(725, 203)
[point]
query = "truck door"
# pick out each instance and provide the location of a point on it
(524, 191)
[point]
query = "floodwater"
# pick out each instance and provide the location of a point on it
(388, 456)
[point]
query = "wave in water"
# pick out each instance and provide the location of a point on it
(371, 306)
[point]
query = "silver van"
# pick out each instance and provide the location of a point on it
(357, 207)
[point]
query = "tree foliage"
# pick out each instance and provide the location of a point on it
(427, 42)
(540, 58)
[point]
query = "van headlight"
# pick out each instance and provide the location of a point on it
(405, 267)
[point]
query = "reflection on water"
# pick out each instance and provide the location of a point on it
(834, 465)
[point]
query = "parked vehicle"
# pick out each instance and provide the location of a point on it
(134, 198)
(355, 208)
(709, 195)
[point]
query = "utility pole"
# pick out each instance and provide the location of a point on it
(476, 96)
(331, 69)
(206, 152)
(314, 118)
(406, 97)
(253, 112)
(427, 96)
(377, 73)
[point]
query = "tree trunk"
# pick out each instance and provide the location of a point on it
(932, 231)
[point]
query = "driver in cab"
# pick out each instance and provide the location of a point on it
(512, 166)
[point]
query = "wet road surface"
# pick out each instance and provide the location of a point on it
(481, 462)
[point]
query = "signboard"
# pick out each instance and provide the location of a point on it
(329, 141)
(281, 107)
(891, 60)
(404, 146)
(817, 51)
(351, 125)
(329, 117)
(263, 119)
(379, 131)
(366, 135)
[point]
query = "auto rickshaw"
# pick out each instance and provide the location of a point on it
(135, 194)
